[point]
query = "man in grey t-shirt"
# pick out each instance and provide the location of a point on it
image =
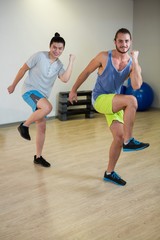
(43, 69)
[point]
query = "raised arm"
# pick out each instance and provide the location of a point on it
(67, 74)
(135, 75)
(91, 67)
(18, 77)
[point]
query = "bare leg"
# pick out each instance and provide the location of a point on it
(40, 136)
(129, 104)
(44, 108)
(116, 146)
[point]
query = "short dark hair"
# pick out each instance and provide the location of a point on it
(57, 38)
(124, 31)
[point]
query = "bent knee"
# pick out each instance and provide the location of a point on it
(132, 101)
(45, 105)
(48, 108)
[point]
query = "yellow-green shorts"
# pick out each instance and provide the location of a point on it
(103, 104)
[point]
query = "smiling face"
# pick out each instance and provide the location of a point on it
(56, 49)
(123, 42)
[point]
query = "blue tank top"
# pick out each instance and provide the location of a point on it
(111, 80)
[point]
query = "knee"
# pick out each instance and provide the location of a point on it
(132, 102)
(119, 139)
(45, 106)
(48, 108)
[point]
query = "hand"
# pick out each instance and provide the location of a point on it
(11, 89)
(72, 57)
(72, 96)
(134, 55)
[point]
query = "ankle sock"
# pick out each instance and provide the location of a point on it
(125, 143)
(24, 125)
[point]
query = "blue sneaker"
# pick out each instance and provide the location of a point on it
(134, 145)
(114, 178)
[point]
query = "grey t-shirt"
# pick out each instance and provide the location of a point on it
(42, 73)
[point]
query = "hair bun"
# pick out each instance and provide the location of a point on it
(57, 34)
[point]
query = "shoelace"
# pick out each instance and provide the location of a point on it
(43, 160)
(115, 175)
(135, 141)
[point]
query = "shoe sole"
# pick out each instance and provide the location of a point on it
(41, 164)
(134, 150)
(109, 180)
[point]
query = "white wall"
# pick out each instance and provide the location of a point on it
(146, 32)
(26, 26)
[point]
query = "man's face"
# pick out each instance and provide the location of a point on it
(123, 43)
(56, 49)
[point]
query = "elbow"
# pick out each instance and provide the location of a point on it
(65, 80)
(137, 86)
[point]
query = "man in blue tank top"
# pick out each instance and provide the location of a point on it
(114, 68)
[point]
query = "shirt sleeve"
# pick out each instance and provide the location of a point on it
(32, 61)
(61, 69)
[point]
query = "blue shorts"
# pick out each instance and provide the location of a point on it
(31, 98)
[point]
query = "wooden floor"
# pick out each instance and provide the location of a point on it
(70, 201)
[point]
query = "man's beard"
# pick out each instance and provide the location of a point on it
(121, 51)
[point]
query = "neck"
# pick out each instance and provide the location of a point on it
(121, 56)
(51, 57)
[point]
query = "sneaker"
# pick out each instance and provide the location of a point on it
(24, 131)
(41, 161)
(134, 145)
(114, 178)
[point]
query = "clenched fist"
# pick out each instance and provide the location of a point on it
(134, 55)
